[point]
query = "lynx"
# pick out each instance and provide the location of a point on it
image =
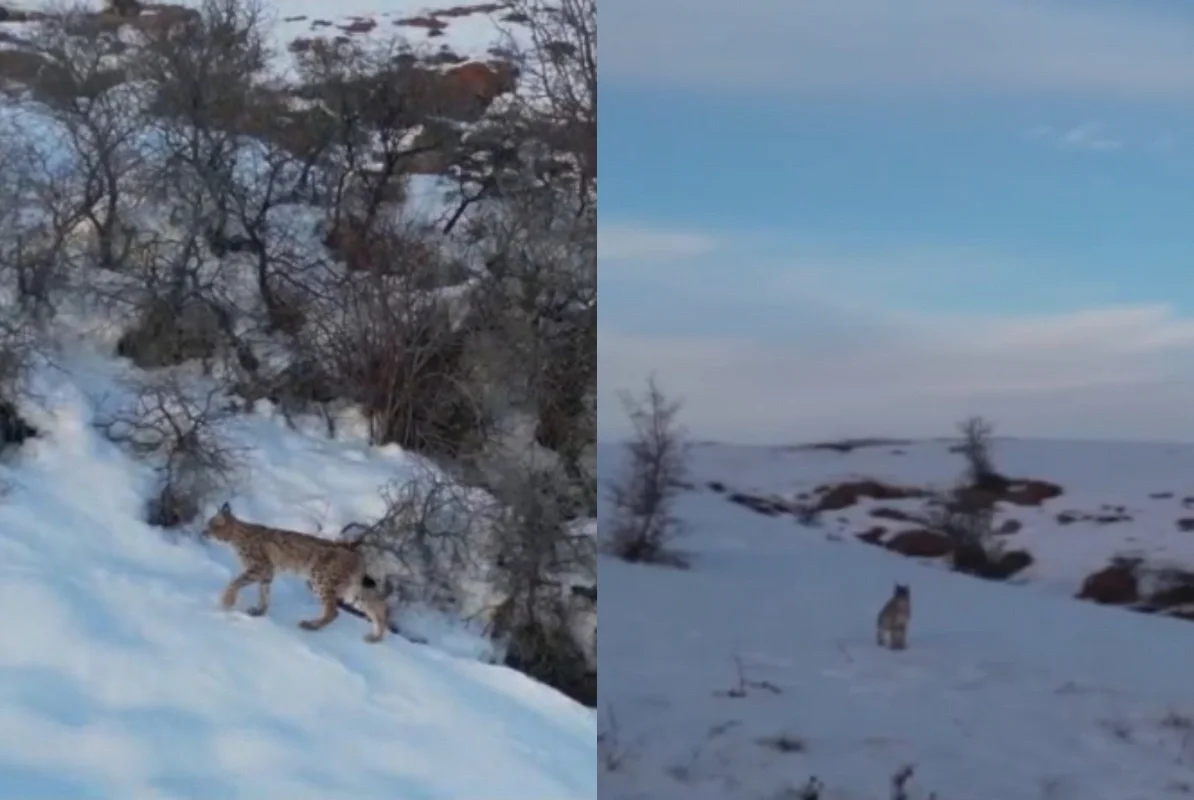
(335, 570)
(893, 619)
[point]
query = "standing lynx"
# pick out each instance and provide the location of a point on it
(336, 570)
(893, 619)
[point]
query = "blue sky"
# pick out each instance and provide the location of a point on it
(864, 217)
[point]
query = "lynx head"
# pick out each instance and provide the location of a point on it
(222, 525)
(901, 590)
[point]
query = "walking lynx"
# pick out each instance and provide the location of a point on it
(894, 617)
(336, 570)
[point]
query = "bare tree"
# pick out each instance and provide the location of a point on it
(18, 346)
(968, 527)
(560, 74)
(375, 117)
(180, 428)
(976, 449)
(539, 561)
(100, 122)
(200, 67)
(537, 300)
(642, 519)
(429, 541)
(31, 232)
(398, 352)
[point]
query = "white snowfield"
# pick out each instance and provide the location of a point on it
(1007, 692)
(121, 678)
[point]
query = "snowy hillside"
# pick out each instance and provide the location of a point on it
(120, 677)
(252, 252)
(1120, 499)
(756, 669)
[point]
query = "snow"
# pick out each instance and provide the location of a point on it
(469, 35)
(1015, 692)
(120, 677)
(1096, 477)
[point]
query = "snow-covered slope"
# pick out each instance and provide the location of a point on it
(757, 668)
(1118, 498)
(120, 677)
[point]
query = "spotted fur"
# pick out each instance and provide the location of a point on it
(894, 617)
(335, 570)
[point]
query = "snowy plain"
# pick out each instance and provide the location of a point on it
(757, 668)
(120, 677)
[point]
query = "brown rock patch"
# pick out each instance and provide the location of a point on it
(770, 507)
(920, 544)
(1008, 527)
(844, 495)
(873, 535)
(886, 512)
(1115, 584)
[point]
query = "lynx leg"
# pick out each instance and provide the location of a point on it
(262, 598)
(376, 610)
(899, 639)
(330, 611)
(879, 639)
(228, 598)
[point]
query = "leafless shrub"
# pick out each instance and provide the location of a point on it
(784, 743)
(98, 122)
(398, 353)
(180, 429)
(612, 754)
(899, 781)
(429, 539)
(811, 790)
(301, 386)
(167, 333)
(966, 527)
(199, 69)
(642, 521)
(976, 449)
(558, 69)
(375, 120)
(17, 348)
(538, 560)
(526, 197)
(743, 685)
(977, 550)
(37, 209)
(537, 301)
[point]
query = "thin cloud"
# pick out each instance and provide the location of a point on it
(1087, 136)
(1122, 371)
(852, 355)
(630, 242)
(1123, 50)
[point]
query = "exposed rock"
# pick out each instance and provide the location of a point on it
(771, 507)
(1115, 584)
(983, 564)
(844, 495)
(920, 544)
(873, 535)
(886, 512)
(1008, 527)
